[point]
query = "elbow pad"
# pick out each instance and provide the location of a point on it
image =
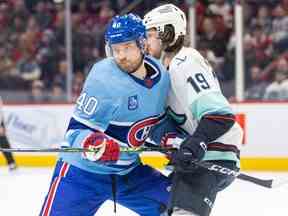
(212, 127)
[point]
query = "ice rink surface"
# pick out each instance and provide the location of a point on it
(22, 193)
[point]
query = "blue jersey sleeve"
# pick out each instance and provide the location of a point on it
(94, 109)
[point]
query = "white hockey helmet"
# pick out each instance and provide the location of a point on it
(167, 14)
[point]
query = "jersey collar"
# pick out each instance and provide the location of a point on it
(152, 80)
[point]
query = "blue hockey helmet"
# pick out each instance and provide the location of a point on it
(126, 28)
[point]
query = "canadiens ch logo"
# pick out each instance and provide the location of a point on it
(133, 102)
(139, 131)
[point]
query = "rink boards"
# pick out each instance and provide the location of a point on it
(265, 145)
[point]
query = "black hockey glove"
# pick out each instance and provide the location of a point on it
(194, 147)
(191, 149)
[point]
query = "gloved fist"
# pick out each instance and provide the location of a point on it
(191, 149)
(105, 149)
(171, 140)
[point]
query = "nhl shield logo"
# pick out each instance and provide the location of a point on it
(133, 102)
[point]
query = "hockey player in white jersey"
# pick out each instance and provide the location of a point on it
(198, 107)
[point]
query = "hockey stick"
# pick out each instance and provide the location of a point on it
(79, 150)
(269, 183)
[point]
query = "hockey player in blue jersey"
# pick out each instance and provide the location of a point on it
(122, 98)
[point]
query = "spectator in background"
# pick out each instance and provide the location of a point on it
(9, 76)
(278, 90)
(77, 84)
(47, 56)
(57, 94)
(4, 22)
(103, 17)
(259, 45)
(214, 40)
(285, 4)
(28, 68)
(280, 28)
(61, 74)
(263, 19)
(7, 67)
(37, 92)
(200, 14)
(19, 8)
(95, 57)
(105, 14)
(269, 71)
(256, 87)
(224, 9)
(42, 15)
(18, 26)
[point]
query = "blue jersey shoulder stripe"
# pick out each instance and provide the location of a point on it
(116, 131)
(74, 125)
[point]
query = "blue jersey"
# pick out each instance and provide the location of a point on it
(120, 105)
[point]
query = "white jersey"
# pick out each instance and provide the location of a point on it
(196, 92)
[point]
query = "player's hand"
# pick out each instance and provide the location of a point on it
(105, 149)
(170, 141)
(191, 149)
(167, 140)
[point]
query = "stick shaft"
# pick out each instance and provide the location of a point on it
(207, 165)
(226, 171)
(79, 150)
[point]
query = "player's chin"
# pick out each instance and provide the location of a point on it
(127, 69)
(131, 70)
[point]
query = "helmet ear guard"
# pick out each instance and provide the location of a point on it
(168, 35)
(170, 44)
(108, 51)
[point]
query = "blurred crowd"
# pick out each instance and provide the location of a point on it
(33, 65)
(265, 45)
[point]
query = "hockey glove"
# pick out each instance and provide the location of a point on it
(191, 149)
(105, 149)
(167, 141)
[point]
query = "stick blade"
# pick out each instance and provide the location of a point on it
(268, 183)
